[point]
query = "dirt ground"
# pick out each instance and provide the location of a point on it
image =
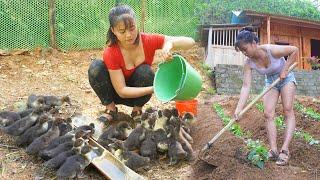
(58, 73)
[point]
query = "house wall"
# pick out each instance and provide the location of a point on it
(224, 55)
(228, 79)
(221, 49)
(294, 35)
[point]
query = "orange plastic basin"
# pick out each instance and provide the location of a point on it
(187, 106)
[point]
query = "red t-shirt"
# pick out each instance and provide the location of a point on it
(113, 58)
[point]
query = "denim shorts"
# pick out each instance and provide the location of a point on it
(270, 78)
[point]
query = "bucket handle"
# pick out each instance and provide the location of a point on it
(183, 74)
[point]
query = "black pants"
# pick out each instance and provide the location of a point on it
(100, 82)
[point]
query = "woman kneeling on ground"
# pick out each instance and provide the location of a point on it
(269, 60)
(125, 75)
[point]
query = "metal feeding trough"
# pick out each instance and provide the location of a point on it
(104, 160)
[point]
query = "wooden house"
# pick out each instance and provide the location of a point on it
(270, 28)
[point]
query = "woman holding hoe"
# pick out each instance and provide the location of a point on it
(125, 76)
(269, 60)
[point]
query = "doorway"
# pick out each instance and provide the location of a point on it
(315, 51)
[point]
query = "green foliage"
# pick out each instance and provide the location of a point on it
(258, 153)
(219, 11)
(309, 112)
(298, 106)
(280, 122)
(260, 106)
(205, 67)
(235, 128)
(306, 137)
(211, 91)
(219, 110)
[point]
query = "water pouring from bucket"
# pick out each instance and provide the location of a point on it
(177, 80)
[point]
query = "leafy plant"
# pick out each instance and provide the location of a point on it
(306, 137)
(236, 130)
(211, 91)
(205, 67)
(280, 122)
(298, 106)
(309, 112)
(315, 62)
(235, 127)
(260, 106)
(258, 153)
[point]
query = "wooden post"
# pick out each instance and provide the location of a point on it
(143, 14)
(268, 30)
(301, 61)
(52, 23)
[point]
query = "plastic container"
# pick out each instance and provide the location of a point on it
(176, 80)
(190, 106)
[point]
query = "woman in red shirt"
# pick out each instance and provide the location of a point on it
(125, 76)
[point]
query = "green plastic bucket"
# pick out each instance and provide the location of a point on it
(176, 80)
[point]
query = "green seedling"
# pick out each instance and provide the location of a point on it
(280, 122)
(298, 106)
(306, 137)
(312, 114)
(308, 112)
(235, 128)
(258, 153)
(260, 106)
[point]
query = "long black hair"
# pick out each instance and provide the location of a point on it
(246, 35)
(117, 13)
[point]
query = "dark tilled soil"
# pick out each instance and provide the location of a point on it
(224, 155)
